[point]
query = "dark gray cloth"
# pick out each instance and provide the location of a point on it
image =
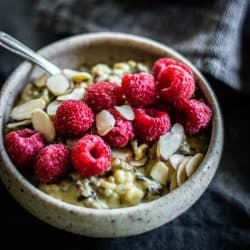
(208, 33)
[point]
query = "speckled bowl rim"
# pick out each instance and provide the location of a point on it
(214, 149)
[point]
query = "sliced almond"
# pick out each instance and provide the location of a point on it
(126, 112)
(173, 181)
(177, 128)
(18, 124)
(193, 164)
(23, 111)
(105, 121)
(175, 160)
(76, 76)
(139, 163)
(122, 154)
(41, 81)
(170, 142)
(181, 171)
(42, 123)
(76, 94)
(159, 172)
(52, 108)
(58, 84)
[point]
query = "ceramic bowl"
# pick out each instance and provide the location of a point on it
(93, 49)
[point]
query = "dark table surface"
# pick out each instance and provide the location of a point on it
(216, 221)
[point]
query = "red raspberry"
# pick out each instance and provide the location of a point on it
(90, 156)
(150, 124)
(122, 133)
(194, 115)
(139, 89)
(51, 163)
(173, 82)
(103, 95)
(164, 62)
(73, 118)
(23, 146)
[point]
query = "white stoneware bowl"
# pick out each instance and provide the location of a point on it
(93, 49)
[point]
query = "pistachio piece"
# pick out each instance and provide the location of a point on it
(101, 72)
(76, 76)
(170, 142)
(41, 81)
(76, 94)
(14, 125)
(105, 121)
(126, 112)
(175, 160)
(23, 111)
(139, 151)
(159, 172)
(52, 107)
(42, 123)
(142, 67)
(181, 171)
(122, 66)
(58, 84)
(193, 164)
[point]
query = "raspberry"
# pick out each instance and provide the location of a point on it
(194, 115)
(90, 156)
(51, 163)
(173, 82)
(164, 62)
(103, 95)
(73, 118)
(122, 133)
(139, 89)
(23, 146)
(150, 124)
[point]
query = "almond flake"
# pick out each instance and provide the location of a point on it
(175, 160)
(105, 121)
(58, 84)
(42, 123)
(193, 164)
(14, 125)
(52, 108)
(126, 112)
(170, 142)
(23, 111)
(181, 171)
(76, 76)
(76, 94)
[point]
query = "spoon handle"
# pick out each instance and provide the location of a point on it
(10, 43)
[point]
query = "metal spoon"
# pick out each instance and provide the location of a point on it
(10, 43)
